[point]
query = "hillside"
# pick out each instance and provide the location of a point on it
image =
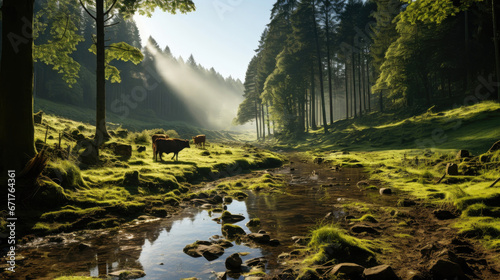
(474, 128)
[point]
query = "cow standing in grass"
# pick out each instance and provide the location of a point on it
(199, 140)
(170, 145)
(154, 138)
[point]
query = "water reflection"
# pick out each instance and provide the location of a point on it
(157, 247)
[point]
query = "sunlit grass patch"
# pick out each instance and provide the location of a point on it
(331, 242)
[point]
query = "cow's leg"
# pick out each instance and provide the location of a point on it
(173, 156)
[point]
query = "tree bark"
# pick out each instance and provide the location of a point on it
(330, 89)
(354, 83)
(497, 47)
(16, 86)
(346, 91)
(313, 100)
(320, 69)
(101, 134)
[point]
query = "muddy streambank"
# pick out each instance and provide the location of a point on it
(414, 239)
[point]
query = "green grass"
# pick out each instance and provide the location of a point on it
(331, 242)
(74, 196)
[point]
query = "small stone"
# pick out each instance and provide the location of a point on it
(362, 184)
(363, 228)
(233, 262)
(274, 242)
(348, 269)
(259, 237)
(262, 231)
(451, 169)
(128, 274)
(381, 272)
(443, 214)
(446, 269)
(462, 154)
(385, 191)
(253, 223)
(228, 199)
(123, 150)
(83, 246)
(256, 262)
(141, 149)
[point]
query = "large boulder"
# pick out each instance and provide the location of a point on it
(381, 272)
(233, 262)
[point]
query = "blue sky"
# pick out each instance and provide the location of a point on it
(221, 33)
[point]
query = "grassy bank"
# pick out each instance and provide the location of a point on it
(71, 195)
(410, 156)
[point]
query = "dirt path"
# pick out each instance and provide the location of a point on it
(418, 241)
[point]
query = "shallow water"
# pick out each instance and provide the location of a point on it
(156, 247)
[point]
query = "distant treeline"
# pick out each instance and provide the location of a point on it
(319, 61)
(141, 93)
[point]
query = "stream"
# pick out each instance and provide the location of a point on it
(157, 247)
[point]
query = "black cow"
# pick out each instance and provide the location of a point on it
(170, 145)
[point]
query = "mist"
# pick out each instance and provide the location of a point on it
(211, 105)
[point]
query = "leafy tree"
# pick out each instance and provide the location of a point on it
(16, 72)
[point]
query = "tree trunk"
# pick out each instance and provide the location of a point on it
(354, 84)
(257, 120)
(16, 86)
(313, 100)
(360, 84)
(346, 91)
(368, 89)
(320, 69)
(328, 59)
(497, 47)
(101, 134)
(263, 122)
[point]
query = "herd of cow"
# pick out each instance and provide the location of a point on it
(164, 144)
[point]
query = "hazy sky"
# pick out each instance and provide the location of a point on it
(221, 33)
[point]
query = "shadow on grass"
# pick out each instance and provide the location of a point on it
(176, 162)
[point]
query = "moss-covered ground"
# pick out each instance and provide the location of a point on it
(410, 157)
(71, 195)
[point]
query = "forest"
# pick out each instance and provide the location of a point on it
(362, 144)
(323, 61)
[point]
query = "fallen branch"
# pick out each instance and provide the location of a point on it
(494, 183)
(441, 179)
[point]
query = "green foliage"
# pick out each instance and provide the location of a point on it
(119, 51)
(60, 20)
(433, 11)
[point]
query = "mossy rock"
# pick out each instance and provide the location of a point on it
(49, 195)
(232, 231)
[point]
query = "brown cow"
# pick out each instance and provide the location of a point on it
(154, 138)
(199, 140)
(170, 145)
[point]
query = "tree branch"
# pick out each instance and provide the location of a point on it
(112, 16)
(115, 47)
(88, 12)
(109, 25)
(110, 8)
